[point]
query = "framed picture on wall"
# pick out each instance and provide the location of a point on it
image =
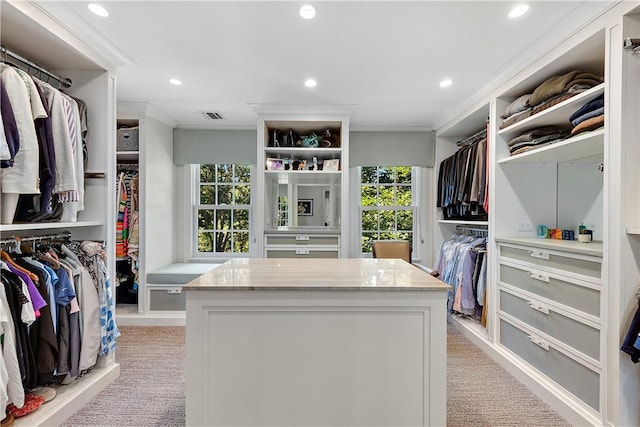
(305, 207)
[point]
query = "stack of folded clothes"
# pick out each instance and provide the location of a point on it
(536, 138)
(588, 117)
(516, 111)
(559, 88)
(551, 92)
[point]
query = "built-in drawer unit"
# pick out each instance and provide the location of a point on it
(566, 291)
(548, 320)
(302, 253)
(302, 239)
(166, 298)
(587, 266)
(568, 372)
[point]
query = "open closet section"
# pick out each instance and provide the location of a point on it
(462, 205)
(74, 123)
(562, 245)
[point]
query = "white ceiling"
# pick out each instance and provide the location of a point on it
(385, 59)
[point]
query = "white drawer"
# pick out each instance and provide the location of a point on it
(575, 377)
(548, 320)
(564, 262)
(167, 298)
(566, 291)
(302, 253)
(302, 239)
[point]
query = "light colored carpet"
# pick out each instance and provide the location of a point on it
(151, 389)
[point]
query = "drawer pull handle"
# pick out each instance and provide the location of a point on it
(539, 307)
(539, 342)
(302, 237)
(539, 254)
(174, 291)
(540, 277)
(302, 251)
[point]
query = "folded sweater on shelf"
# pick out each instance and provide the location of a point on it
(589, 124)
(595, 104)
(557, 85)
(536, 133)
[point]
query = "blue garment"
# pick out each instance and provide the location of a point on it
(589, 114)
(64, 292)
(51, 287)
(594, 104)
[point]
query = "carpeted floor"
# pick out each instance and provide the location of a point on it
(151, 389)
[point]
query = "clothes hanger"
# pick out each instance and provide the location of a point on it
(7, 258)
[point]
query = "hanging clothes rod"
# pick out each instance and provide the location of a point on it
(12, 240)
(31, 67)
(472, 229)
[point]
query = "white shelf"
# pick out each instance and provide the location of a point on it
(582, 147)
(633, 230)
(462, 222)
(557, 115)
(48, 225)
(70, 398)
(302, 151)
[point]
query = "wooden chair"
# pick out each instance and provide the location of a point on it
(398, 249)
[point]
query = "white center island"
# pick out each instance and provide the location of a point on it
(316, 342)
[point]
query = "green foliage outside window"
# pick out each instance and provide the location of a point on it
(223, 208)
(386, 204)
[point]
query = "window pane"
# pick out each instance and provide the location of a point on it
(386, 196)
(223, 219)
(369, 196)
(403, 174)
(405, 220)
(386, 174)
(225, 194)
(403, 195)
(241, 219)
(388, 235)
(241, 242)
(369, 175)
(369, 220)
(223, 242)
(225, 173)
(207, 194)
(243, 195)
(243, 173)
(206, 219)
(207, 173)
(205, 242)
(406, 236)
(367, 238)
(387, 220)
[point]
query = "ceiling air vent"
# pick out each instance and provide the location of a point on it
(213, 116)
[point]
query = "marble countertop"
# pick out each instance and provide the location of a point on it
(346, 274)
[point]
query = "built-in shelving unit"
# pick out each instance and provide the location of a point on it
(28, 28)
(303, 184)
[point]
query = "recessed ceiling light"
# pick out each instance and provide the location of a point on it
(446, 82)
(519, 10)
(310, 83)
(175, 82)
(307, 11)
(98, 10)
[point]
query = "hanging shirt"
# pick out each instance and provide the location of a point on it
(22, 178)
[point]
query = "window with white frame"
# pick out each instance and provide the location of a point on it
(222, 209)
(388, 206)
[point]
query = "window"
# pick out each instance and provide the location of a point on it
(387, 204)
(222, 209)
